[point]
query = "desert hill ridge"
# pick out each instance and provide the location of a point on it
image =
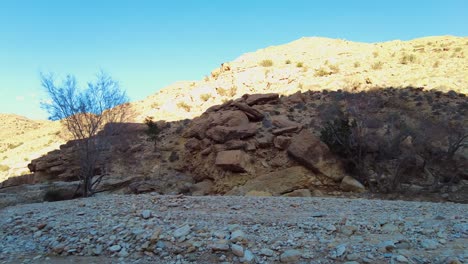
(305, 65)
(318, 63)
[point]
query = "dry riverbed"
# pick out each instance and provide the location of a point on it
(183, 229)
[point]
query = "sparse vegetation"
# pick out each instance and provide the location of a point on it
(299, 64)
(403, 151)
(320, 72)
(85, 114)
(287, 62)
(152, 130)
(377, 65)
(436, 64)
(231, 92)
(357, 64)
(375, 54)
(184, 106)
(408, 58)
(334, 69)
(4, 168)
(205, 97)
(266, 63)
(14, 145)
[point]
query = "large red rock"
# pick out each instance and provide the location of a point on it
(228, 118)
(254, 99)
(252, 113)
(222, 134)
(282, 121)
(308, 150)
(233, 160)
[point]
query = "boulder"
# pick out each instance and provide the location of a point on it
(349, 184)
(193, 144)
(308, 150)
(222, 134)
(233, 160)
(138, 187)
(202, 188)
(252, 113)
(264, 140)
(235, 144)
(228, 118)
(276, 183)
(284, 130)
(254, 99)
(281, 142)
(299, 193)
(258, 194)
(281, 121)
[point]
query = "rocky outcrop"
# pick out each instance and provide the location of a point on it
(233, 160)
(278, 182)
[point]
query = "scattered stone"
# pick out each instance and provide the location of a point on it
(249, 257)
(182, 231)
(402, 259)
(429, 244)
(115, 248)
(284, 130)
(281, 142)
(266, 252)
(237, 250)
(290, 255)
(238, 236)
(219, 245)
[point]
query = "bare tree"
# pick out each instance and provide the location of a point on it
(90, 116)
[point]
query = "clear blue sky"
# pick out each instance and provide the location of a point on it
(147, 45)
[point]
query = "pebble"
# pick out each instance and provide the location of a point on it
(290, 255)
(429, 244)
(237, 236)
(266, 252)
(402, 259)
(237, 250)
(123, 227)
(115, 248)
(182, 231)
(249, 257)
(146, 214)
(220, 245)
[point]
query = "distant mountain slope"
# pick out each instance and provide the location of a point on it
(315, 63)
(23, 139)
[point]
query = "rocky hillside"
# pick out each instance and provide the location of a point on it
(22, 140)
(260, 118)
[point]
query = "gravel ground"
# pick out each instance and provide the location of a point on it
(183, 229)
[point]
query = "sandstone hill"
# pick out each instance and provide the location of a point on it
(259, 118)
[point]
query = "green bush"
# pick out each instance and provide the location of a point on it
(153, 130)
